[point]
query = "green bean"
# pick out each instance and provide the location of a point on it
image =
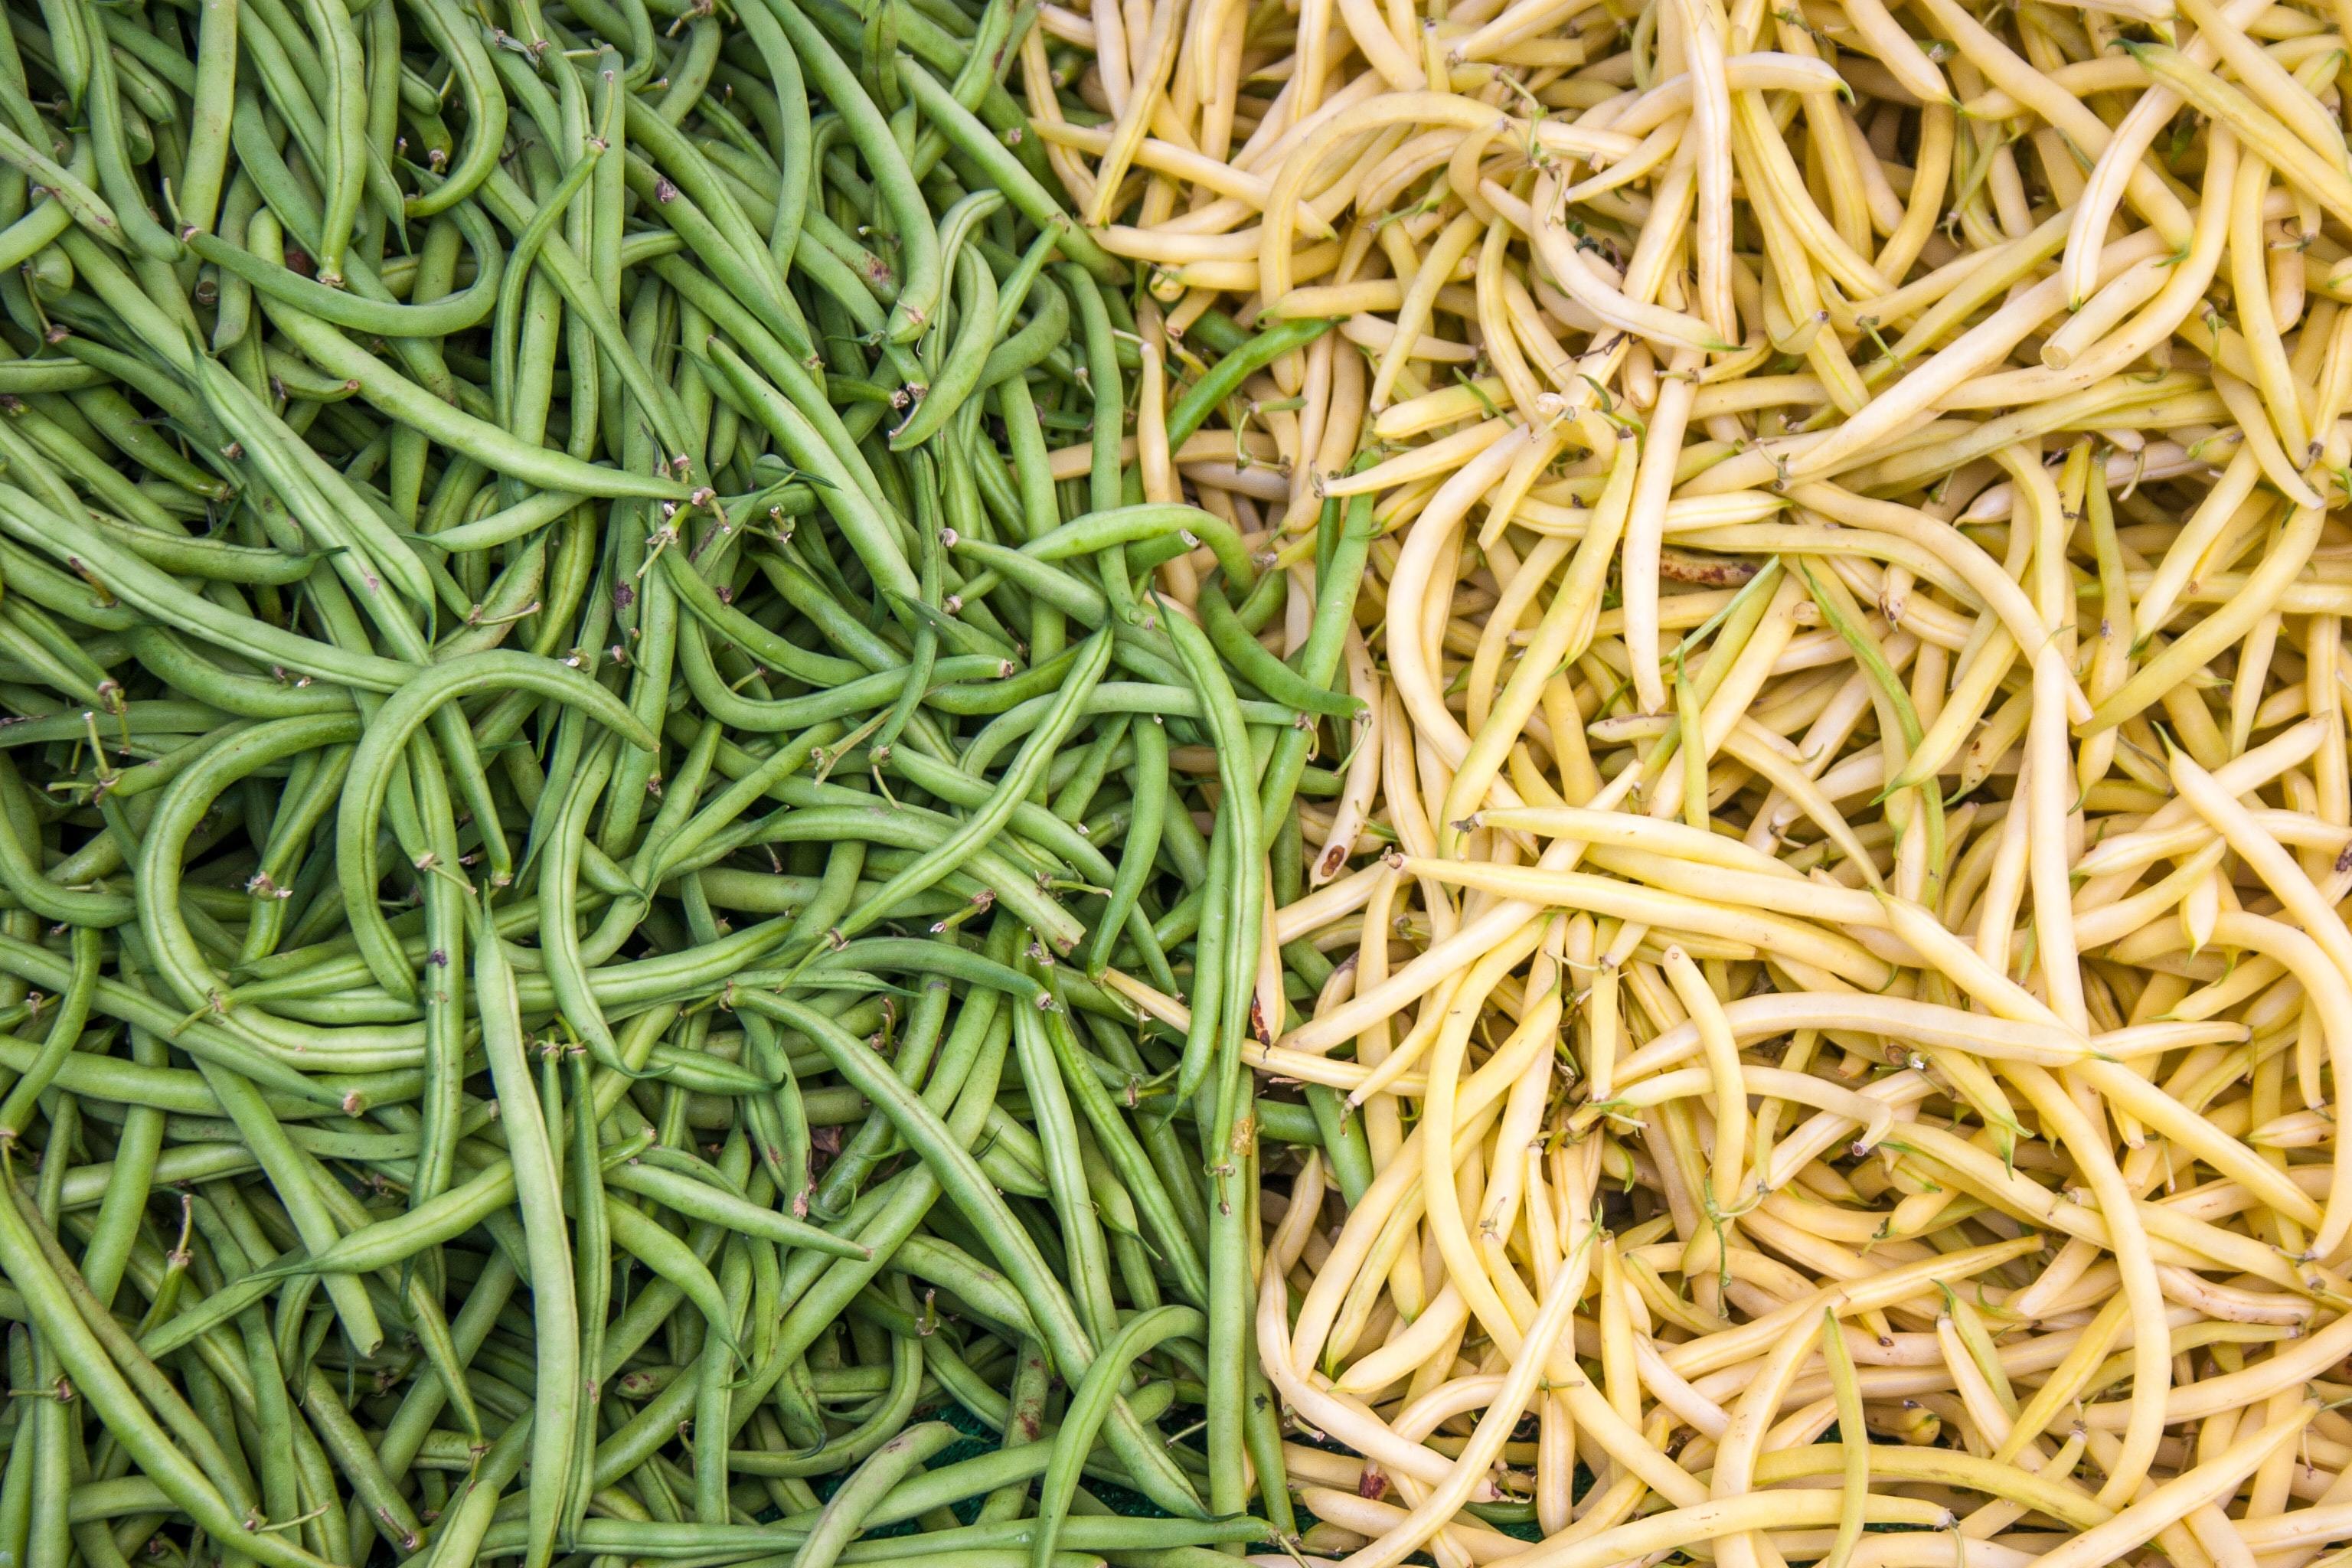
(1126, 1154)
(1035, 754)
(964, 1545)
(1089, 1404)
(16, 1488)
(485, 108)
(137, 1159)
(23, 375)
(684, 162)
(1133, 524)
(1226, 1136)
(88, 209)
(670, 1258)
(22, 876)
(1047, 1305)
(97, 1379)
(697, 1201)
(870, 534)
(1043, 583)
(960, 372)
(1115, 696)
(871, 1142)
(970, 639)
(64, 1036)
(967, 135)
(142, 1374)
(1048, 329)
(874, 274)
(794, 148)
(1260, 669)
(400, 399)
(921, 279)
(349, 527)
(441, 318)
(1237, 364)
(123, 426)
(212, 92)
(845, 1515)
(1060, 1160)
(776, 652)
(379, 751)
(538, 1186)
(346, 112)
(1347, 533)
(1142, 846)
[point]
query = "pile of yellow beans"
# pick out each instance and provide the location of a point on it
(1834, 899)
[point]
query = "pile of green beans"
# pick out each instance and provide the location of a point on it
(578, 804)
